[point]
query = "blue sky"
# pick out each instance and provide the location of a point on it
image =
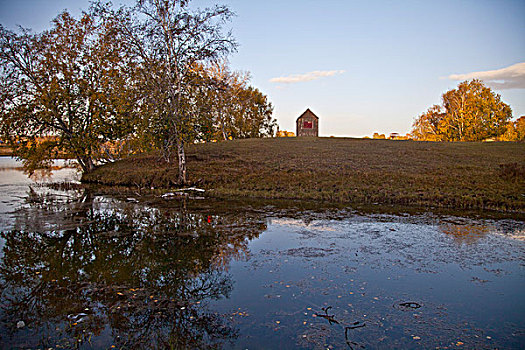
(377, 64)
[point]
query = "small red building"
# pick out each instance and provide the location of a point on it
(307, 124)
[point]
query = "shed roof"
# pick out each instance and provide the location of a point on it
(306, 112)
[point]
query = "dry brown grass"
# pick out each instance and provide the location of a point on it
(451, 175)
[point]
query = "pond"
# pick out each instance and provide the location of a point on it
(84, 270)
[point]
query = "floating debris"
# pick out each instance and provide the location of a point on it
(330, 318)
(355, 325)
(183, 193)
(351, 344)
(410, 305)
(77, 317)
(191, 189)
(478, 280)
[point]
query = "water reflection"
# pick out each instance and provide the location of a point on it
(98, 271)
(465, 234)
(88, 271)
(13, 171)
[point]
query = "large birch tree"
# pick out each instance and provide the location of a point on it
(168, 39)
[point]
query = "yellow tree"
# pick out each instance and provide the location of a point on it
(471, 112)
(520, 128)
(238, 109)
(427, 126)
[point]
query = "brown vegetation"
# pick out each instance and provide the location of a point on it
(439, 174)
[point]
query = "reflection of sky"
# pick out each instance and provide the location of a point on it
(361, 266)
(14, 184)
(8, 162)
(312, 226)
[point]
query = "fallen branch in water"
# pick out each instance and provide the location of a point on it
(191, 189)
(331, 319)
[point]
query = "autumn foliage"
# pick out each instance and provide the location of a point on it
(120, 81)
(69, 84)
(471, 112)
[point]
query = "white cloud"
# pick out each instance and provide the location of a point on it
(512, 77)
(298, 78)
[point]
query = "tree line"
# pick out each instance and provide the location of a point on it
(150, 76)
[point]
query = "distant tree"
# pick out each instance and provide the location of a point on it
(256, 115)
(67, 86)
(225, 93)
(520, 128)
(219, 104)
(378, 136)
(510, 133)
(427, 126)
(238, 110)
(167, 39)
(515, 131)
(471, 112)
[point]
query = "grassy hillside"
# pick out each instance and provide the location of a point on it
(451, 175)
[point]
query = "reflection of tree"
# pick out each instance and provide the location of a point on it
(467, 234)
(121, 274)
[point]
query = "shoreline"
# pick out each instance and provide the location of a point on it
(283, 205)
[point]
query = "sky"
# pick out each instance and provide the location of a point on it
(360, 66)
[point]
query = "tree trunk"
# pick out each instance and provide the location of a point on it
(223, 130)
(182, 163)
(166, 150)
(86, 163)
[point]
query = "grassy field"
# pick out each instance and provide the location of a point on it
(449, 175)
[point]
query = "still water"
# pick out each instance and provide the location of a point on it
(131, 271)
